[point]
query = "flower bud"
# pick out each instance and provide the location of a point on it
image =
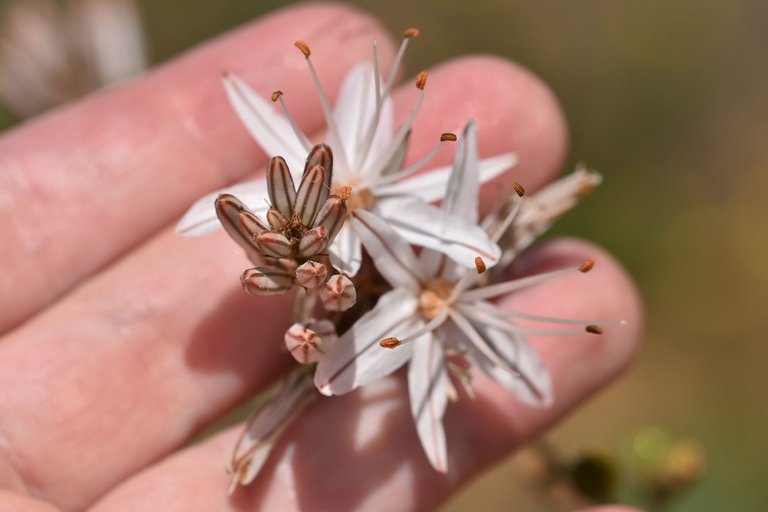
(321, 155)
(313, 242)
(308, 342)
(266, 281)
(311, 195)
(280, 187)
(331, 216)
(274, 245)
(338, 294)
(277, 220)
(311, 274)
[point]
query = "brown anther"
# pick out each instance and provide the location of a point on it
(346, 192)
(450, 137)
(518, 188)
(421, 80)
(587, 266)
(411, 32)
(480, 265)
(390, 343)
(276, 95)
(594, 329)
(303, 47)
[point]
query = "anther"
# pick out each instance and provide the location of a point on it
(411, 32)
(518, 188)
(390, 343)
(276, 95)
(450, 137)
(346, 192)
(421, 80)
(587, 266)
(594, 329)
(303, 47)
(480, 265)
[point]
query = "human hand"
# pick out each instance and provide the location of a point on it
(121, 340)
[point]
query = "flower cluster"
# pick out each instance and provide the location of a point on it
(361, 230)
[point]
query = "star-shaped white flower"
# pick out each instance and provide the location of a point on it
(436, 309)
(370, 157)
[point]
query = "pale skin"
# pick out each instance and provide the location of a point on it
(122, 340)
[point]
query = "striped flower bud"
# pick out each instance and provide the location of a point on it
(311, 195)
(266, 281)
(332, 216)
(274, 245)
(280, 187)
(313, 242)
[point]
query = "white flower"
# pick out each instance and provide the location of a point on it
(53, 51)
(437, 309)
(370, 153)
(265, 425)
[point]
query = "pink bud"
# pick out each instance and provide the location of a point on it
(308, 342)
(311, 274)
(338, 294)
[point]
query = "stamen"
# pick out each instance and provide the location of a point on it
(407, 36)
(397, 176)
(480, 265)
(421, 80)
(397, 139)
(498, 231)
(587, 266)
(518, 188)
(482, 346)
(411, 32)
(495, 290)
(491, 309)
(390, 343)
(346, 191)
(324, 103)
(448, 136)
(594, 329)
(426, 328)
(376, 79)
(504, 325)
(303, 47)
(277, 96)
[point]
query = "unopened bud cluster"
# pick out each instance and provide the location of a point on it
(293, 242)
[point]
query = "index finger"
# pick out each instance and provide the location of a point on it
(71, 181)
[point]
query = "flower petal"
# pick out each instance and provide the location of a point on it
(426, 226)
(268, 127)
(430, 186)
(355, 106)
(346, 253)
(461, 193)
(201, 218)
(533, 385)
(357, 358)
(428, 389)
(264, 426)
(393, 257)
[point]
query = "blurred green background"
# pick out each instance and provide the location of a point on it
(668, 100)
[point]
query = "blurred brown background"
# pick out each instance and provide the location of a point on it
(668, 100)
